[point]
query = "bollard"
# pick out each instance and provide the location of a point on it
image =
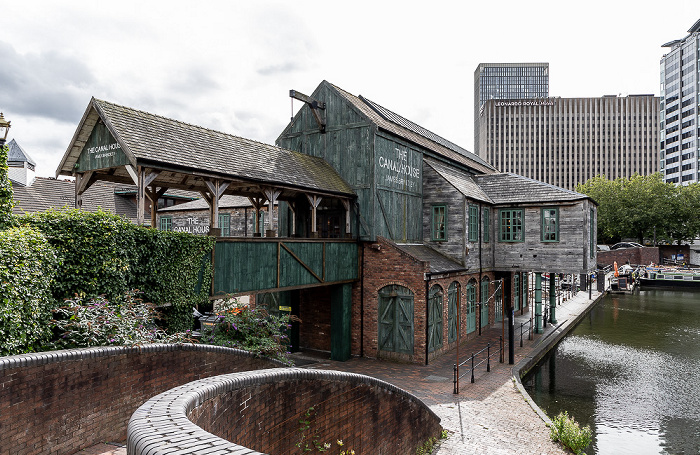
(502, 353)
(521, 334)
(472, 368)
(456, 387)
(488, 357)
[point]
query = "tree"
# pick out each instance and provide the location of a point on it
(644, 207)
(6, 195)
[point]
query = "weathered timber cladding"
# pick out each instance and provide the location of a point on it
(437, 191)
(256, 265)
(569, 255)
(241, 220)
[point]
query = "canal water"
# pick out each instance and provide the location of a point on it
(630, 370)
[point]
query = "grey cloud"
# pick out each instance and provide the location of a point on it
(280, 68)
(48, 84)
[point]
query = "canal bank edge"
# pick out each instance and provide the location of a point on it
(544, 345)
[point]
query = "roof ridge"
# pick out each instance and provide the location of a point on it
(198, 127)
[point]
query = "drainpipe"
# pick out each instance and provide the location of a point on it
(427, 313)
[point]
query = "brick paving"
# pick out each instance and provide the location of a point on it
(489, 416)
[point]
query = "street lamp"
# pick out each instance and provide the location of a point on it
(4, 128)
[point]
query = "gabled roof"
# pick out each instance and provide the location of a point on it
(505, 188)
(177, 148)
(17, 154)
(407, 130)
(463, 182)
(47, 193)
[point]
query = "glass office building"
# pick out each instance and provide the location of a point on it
(680, 130)
(506, 81)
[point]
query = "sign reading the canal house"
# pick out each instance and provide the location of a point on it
(398, 167)
(191, 224)
(101, 151)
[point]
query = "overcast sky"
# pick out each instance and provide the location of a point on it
(229, 65)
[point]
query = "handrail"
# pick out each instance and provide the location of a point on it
(457, 376)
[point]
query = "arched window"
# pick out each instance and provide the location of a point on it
(471, 306)
(395, 319)
(453, 302)
(435, 318)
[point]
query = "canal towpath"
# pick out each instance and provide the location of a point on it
(493, 415)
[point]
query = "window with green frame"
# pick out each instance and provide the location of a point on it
(512, 225)
(438, 231)
(550, 224)
(225, 224)
(473, 223)
(166, 223)
(487, 224)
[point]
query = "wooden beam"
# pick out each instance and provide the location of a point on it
(314, 200)
(140, 194)
(314, 105)
(346, 204)
(272, 194)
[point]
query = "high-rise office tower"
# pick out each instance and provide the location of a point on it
(566, 141)
(680, 131)
(506, 81)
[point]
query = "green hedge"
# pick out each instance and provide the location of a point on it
(104, 254)
(27, 269)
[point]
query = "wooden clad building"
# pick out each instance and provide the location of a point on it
(387, 240)
(445, 238)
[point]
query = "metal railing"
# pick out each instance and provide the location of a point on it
(529, 330)
(471, 358)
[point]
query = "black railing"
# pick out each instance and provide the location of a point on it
(527, 324)
(471, 359)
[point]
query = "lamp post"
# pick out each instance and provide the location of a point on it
(4, 128)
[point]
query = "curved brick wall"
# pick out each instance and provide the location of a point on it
(260, 412)
(63, 401)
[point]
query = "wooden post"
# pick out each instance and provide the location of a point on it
(257, 202)
(314, 201)
(216, 190)
(293, 208)
(272, 194)
(346, 204)
(154, 193)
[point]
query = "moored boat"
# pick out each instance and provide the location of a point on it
(669, 278)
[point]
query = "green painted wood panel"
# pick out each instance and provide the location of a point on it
(453, 312)
(435, 319)
(101, 151)
(341, 305)
(243, 266)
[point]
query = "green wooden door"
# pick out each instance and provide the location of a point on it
(484, 317)
(395, 319)
(471, 306)
(453, 312)
(435, 318)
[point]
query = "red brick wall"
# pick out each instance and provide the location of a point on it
(63, 401)
(388, 265)
(363, 413)
(636, 256)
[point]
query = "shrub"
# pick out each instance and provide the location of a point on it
(254, 330)
(567, 431)
(127, 321)
(27, 269)
(104, 254)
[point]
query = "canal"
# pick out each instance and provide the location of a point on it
(630, 370)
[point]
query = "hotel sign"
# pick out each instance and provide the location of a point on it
(101, 151)
(398, 167)
(532, 102)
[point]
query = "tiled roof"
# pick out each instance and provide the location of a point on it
(48, 193)
(227, 201)
(160, 142)
(439, 263)
(18, 154)
(404, 128)
(504, 188)
(463, 182)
